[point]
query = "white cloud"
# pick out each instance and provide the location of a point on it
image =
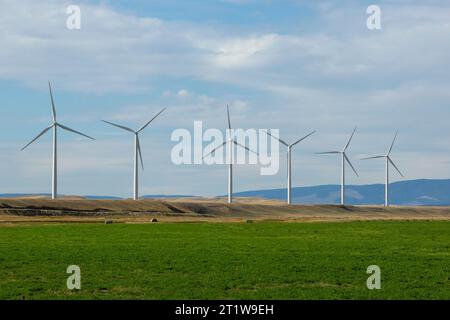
(329, 79)
(118, 52)
(183, 93)
(242, 52)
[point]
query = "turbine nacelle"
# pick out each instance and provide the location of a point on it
(289, 146)
(229, 140)
(387, 156)
(136, 133)
(55, 124)
(343, 152)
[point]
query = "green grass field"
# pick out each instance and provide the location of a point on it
(226, 261)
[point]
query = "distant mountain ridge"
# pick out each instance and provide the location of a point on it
(89, 197)
(423, 192)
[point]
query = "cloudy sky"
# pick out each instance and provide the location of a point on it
(289, 64)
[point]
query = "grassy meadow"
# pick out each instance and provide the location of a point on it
(226, 260)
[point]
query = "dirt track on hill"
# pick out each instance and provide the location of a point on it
(24, 210)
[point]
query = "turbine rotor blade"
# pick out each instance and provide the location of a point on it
(145, 125)
(392, 145)
(140, 152)
(375, 157)
(53, 103)
(329, 152)
(74, 131)
(38, 136)
(300, 140)
(269, 134)
(398, 170)
(242, 146)
(215, 149)
(349, 140)
(353, 168)
(119, 126)
(229, 120)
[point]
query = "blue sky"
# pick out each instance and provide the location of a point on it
(293, 65)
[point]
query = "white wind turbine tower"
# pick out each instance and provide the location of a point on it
(344, 160)
(137, 150)
(55, 126)
(289, 166)
(388, 160)
(229, 142)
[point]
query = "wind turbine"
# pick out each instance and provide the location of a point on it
(388, 160)
(137, 150)
(55, 126)
(344, 160)
(229, 142)
(289, 167)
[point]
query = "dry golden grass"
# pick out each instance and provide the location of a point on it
(76, 209)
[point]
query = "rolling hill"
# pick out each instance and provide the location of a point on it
(408, 193)
(424, 192)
